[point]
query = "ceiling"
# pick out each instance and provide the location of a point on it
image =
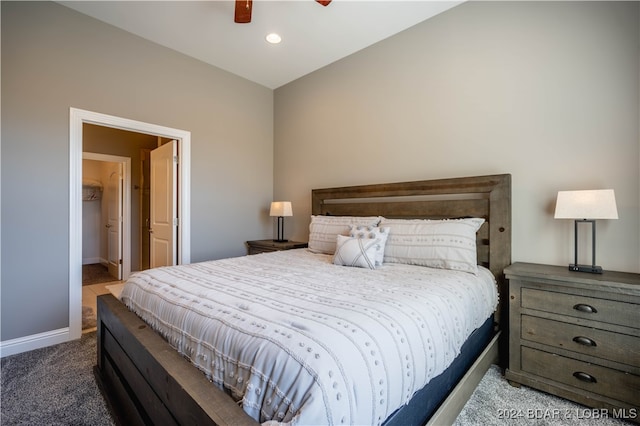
(312, 35)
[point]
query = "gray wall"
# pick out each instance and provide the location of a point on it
(546, 91)
(54, 58)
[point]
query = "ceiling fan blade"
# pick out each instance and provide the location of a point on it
(324, 2)
(243, 11)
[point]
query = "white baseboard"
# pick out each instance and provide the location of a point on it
(34, 341)
(91, 260)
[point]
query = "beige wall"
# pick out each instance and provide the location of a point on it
(546, 91)
(54, 58)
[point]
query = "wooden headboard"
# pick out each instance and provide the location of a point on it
(488, 197)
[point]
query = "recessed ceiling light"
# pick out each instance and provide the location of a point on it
(273, 38)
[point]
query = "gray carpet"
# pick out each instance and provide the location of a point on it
(56, 386)
(496, 402)
(53, 386)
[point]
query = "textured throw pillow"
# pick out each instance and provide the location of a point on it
(368, 231)
(360, 252)
(445, 244)
(324, 229)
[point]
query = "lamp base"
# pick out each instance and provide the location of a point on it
(585, 268)
(280, 241)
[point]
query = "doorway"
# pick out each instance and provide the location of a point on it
(106, 218)
(78, 118)
(121, 231)
(106, 224)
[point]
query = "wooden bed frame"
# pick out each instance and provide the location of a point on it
(145, 381)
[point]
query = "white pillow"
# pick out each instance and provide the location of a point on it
(360, 252)
(324, 229)
(362, 231)
(445, 244)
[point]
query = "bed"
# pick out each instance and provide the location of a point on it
(146, 381)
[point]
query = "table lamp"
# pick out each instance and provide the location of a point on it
(280, 209)
(586, 207)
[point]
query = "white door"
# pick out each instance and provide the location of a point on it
(163, 211)
(113, 197)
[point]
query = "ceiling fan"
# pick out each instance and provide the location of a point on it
(244, 7)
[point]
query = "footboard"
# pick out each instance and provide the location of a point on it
(145, 381)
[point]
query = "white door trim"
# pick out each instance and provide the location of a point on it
(77, 117)
(126, 204)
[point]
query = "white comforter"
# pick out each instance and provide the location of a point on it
(297, 339)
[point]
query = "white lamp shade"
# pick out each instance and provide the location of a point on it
(590, 204)
(281, 208)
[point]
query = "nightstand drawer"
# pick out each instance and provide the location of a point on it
(593, 378)
(603, 344)
(608, 311)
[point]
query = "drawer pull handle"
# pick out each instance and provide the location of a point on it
(585, 308)
(581, 340)
(584, 377)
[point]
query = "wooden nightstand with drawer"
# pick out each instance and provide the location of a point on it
(576, 335)
(262, 246)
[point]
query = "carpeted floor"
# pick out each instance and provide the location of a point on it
(95, 273)
(495, 402)
(56, 386)
(53, 386)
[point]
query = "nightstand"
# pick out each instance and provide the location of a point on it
(262, 246)
(576, 335)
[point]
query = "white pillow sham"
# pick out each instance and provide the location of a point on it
(445, 244)
(360, 252)
(324, 229)
(362, 231)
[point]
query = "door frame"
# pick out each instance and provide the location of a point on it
(78, 117)
(126, 204)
